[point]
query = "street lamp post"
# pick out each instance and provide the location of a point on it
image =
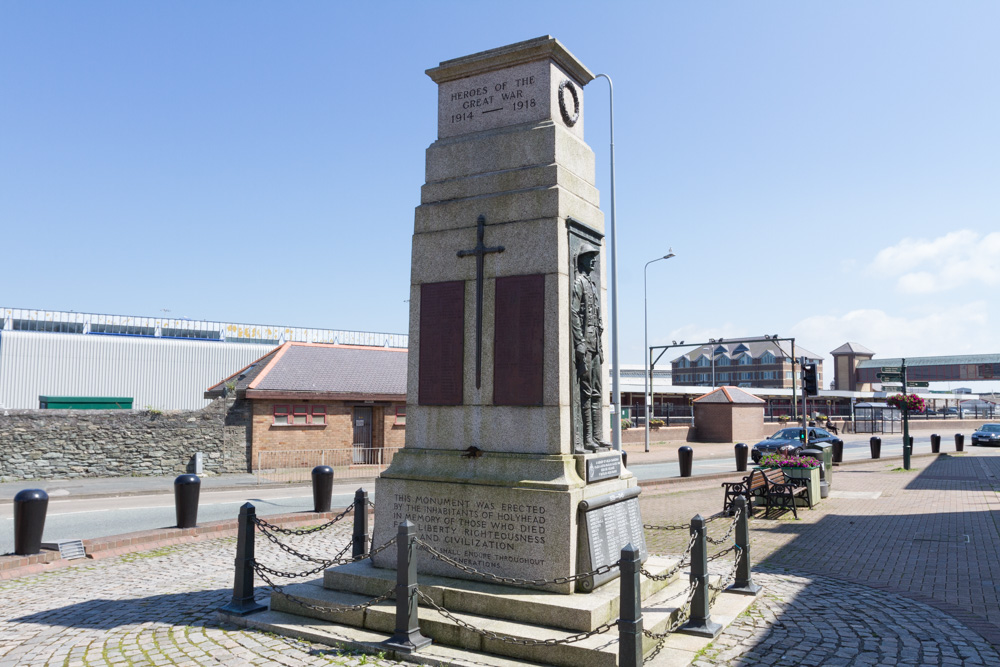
(616, 394)
(647, 399)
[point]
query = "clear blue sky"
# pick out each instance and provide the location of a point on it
(823, 170)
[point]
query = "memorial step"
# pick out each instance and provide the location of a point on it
(576, 613)
(659, 612)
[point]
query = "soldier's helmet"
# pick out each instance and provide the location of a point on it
(585, 250)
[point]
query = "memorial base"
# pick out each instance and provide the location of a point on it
(506, 610)
(477, 513)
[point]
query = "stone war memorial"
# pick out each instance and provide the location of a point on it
(519, 507)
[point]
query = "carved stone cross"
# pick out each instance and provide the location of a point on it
(479, 251)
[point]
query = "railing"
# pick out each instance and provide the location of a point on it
(295, 465)
(692, 604)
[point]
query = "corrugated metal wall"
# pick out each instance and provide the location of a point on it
(166, 374)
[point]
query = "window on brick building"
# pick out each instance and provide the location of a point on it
(401, 415)
(285, 415)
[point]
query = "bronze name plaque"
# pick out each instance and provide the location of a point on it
(442, 335)
(518, 344)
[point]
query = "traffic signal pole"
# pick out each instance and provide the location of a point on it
(906, 421)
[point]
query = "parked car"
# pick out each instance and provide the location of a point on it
(791, 441)
(987, 434)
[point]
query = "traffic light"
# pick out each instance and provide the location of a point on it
(810, 384)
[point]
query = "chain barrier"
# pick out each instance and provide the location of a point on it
(489, 634)
(676, 568)
(721, 553)
(683, 615)
(262, 524)
(277, 588)
(512, 581)
(732, 573)
(337, 560)
(725, 538)
(683, 526)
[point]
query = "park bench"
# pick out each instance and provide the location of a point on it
(755, 484)
(772, 485)
(782, 491)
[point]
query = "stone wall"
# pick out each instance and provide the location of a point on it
(57, 444)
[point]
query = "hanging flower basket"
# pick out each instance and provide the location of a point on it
(907, 402)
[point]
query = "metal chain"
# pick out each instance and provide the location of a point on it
(683, 616)
(277, 588)
(732, 573)
(512, 640)
(721, 553)
(511, 581)
(732, 527)
(676, 568)
(377, 550)
(683, 526)
(261, 523)
(336, 560)
(298, 554)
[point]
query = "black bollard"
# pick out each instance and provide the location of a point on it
(876, 446)
(741, 456)
(630, 609)
(406, 638)
(743, 583)
(838, 451)
(322, 477)
(959, 442)
(700, 622)
(359, 539)
(29, 521)
(243, 602)
(685, 455)
(935, 443)
(186, 491)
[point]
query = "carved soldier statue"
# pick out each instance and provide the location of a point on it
(585, 315)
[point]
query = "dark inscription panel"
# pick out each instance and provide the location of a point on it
(442, 332)
(611, 528)
(518, 344)
(604, 467)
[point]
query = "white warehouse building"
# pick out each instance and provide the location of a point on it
(161, 363)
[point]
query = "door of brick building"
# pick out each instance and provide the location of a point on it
(363, 452)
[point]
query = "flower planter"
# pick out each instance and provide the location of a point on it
(810, 474)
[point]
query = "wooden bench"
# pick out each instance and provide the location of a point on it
(754, 484)
(783, 491)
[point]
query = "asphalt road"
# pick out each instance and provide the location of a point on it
(83, 518)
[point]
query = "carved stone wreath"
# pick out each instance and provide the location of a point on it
(570, 119)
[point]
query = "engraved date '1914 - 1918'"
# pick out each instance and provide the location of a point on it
(490, 99)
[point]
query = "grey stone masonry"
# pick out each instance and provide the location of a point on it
(58, 444)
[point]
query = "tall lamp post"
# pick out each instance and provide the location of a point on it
(616, 393)
(647, 399)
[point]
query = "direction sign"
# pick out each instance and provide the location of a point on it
(885, 385)
(892, 369)
(918, 384)
(889, 376)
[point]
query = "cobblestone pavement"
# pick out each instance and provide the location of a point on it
(894, 568)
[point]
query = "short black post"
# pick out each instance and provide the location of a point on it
(685, 456)
(838, 451)
(186, 491)
(959, 442)
(876, 446)
(359, 541)
(407, 637)
(741, 456)
(630, 610)
(30, 506)
(243, 602)
(935, 443)
(744, 577)
(322, 477)
(700, 623)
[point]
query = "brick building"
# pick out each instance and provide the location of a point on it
(310, 398)
(742, 363)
